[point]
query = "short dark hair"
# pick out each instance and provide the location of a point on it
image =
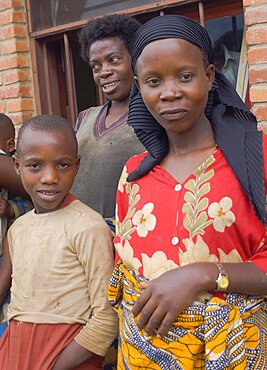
(49, 123)
(113, 25)
(7, 128)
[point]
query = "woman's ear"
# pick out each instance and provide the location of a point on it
(210, 73)
(136, 82)
(16, 164)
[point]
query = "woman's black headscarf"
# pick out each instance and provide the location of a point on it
(234, 126)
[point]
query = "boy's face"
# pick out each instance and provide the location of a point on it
(47, 163)
(174, 83)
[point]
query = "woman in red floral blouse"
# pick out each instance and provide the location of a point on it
(190, 278)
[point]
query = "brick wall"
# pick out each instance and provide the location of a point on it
(255, 12)
(16, 88)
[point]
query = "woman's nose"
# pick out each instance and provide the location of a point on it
(170, 91)
(106, 71)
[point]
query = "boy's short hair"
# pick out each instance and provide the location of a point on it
(49, 123)
(113, 25)
(7, 128)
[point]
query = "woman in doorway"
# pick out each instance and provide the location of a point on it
(105, 141)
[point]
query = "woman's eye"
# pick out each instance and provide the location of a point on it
(186, 77)
(95, 68)
(153, 81)
(115, 60)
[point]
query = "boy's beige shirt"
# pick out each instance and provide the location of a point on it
(62, 262)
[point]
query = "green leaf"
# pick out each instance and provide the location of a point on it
(188, 209)
(191, 185)
(201, 220)
(190, 198)
(204, 189)
(135, 189)
(187, 223)
(203, 204)
(205, 177)
(126, 226)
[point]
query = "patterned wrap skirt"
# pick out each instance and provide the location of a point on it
(218, 335)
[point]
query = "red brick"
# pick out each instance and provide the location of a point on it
(14, 61)
(13, 46)
(258, 74)
(20, 104)
(258, 93)
(12, 30)
(18, 90)
(2, 92)
(256, 35)
(8, 4)
(255, 15)
(253, 2)
(257, 55)
(11, 16)
(262, 126)
(21, 117)
(260, 111)
(17, 75)
(2, 107)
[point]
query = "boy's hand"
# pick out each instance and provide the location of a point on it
(5, 209)
(165, 298)
(72, 356)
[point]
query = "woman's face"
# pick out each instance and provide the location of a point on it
(174, 83)
(111, 66)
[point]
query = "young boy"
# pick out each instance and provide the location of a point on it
(61, 258)
(11, 206)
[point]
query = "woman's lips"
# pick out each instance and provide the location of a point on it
(173, 114)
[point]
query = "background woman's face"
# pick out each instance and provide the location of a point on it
(111, 66)
(174, 83)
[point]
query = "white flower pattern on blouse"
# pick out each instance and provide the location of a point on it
(222, 214)
(127, 255)
(144, 220)
(195, 252)
(156, 265)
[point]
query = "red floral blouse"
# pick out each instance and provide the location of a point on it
(162, 224)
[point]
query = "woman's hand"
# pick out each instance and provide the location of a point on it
(164, 298)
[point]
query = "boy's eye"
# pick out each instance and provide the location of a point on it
(186, 77)
(33, 166)
(63, 165)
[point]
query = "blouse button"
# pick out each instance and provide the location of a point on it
(175, 240)
(178, 187)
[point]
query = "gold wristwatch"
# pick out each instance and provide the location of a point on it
(222, 281)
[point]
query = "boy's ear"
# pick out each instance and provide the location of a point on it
(78, 161)
(16, 164)
(136, 82)
(10, 145)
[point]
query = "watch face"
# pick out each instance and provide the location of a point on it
(223, 282)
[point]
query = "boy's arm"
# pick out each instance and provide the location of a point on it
(9, 179)
(94, 250)
(5, 272)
